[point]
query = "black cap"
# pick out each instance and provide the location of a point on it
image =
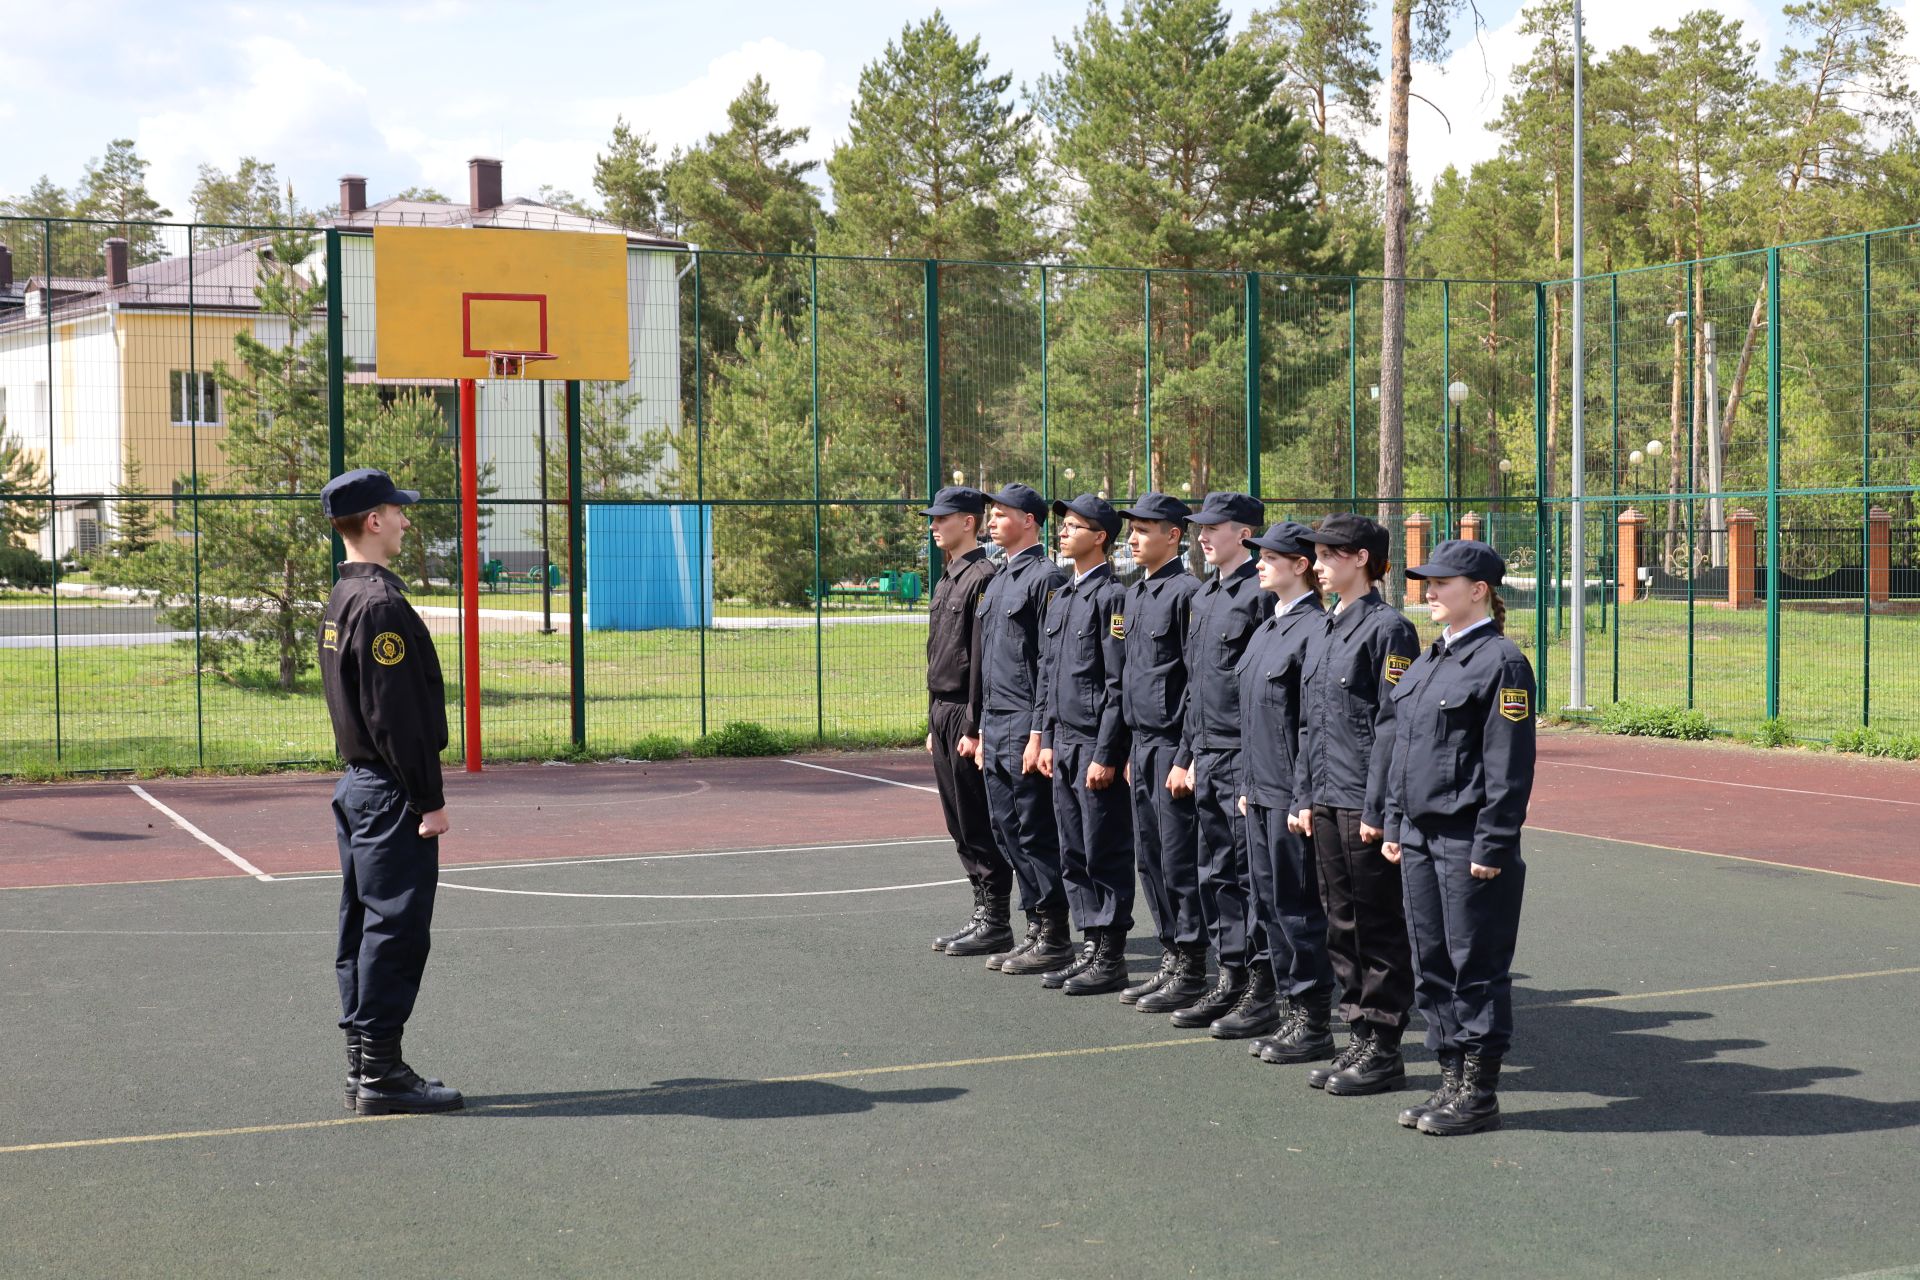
(352, 492)
(1288, 537)
(1158, 506)
(1222, 507)
(957, 499)
(1349, 530)
(1020, 498)
(1462, 558)
(1091, 506)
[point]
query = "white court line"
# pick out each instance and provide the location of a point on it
(1720, 782)
(704, 897)
(200, 835)
(868, 777)
(463, 868)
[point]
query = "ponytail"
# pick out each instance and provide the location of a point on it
(1498, 608)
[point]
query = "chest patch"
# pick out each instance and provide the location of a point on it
(389, 649)
(1396, 667)
(1117, 626)
(330, 636)
(1514, 704)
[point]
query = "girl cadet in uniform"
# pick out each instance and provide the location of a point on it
(1339, 801)
(1458, 783)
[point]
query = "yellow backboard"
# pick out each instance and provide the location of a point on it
(445, 296)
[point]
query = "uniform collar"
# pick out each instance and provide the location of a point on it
(1165, 573)
(1461, 644)
(1242, 573)
(1292, 606)
(1344, 619)
(1092, 575)
(972, 557)
(1453, 637)
(1034, 552)
(364, 569)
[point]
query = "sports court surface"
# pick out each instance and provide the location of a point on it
(700, 1032)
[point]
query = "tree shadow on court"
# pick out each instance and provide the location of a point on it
(1667, 1083)
(712, 1098)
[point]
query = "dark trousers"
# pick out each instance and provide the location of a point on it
(1226, 888)
(1463, 933)
(388, 875)
(1096, 839)
(1286, 905)
(1366, 921)
(963, 799)
(1166, 844)
(1021, 805)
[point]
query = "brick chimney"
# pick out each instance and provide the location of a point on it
(116, 262)
(353, 194)
(483, 184)
(6, 267)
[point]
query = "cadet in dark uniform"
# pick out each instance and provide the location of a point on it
(1224, 613)
(1286, 889)
(1340, 788)
(953, 718)
(1083, 747)
(388, 706)
(1019, 799)
(1153, 699)
(1457, 792)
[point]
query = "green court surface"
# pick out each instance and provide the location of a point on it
(1714, 1076)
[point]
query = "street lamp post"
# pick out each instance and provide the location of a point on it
(1506, 469)
(1457, 394)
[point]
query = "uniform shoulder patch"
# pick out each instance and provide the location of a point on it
(389, 649)
(1117, 626)
(1396, 667)
(330, 635)
(1515, 704)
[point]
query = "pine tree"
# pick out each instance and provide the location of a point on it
(740, 188)
(629, 179)
(136, 522)
(618, 460)
(114, 190)
(410, 438)
(20, 472)
(28, 237)
(238, 203)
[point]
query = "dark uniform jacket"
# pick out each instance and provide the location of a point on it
(1352, 665)
(382, 681)
(1082, 657)
(1222, 619)
(1462, 749)
(1153, 697)
(953, 639)
(1010, 612)
(1270, 701)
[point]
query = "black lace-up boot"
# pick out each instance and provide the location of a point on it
(1255, 1013)
(388, 1084)
(1169, 959)
(1450, 1072)
(1186, 984)
(1474, 1106)
(1226, 993)
(1358, 1034)
(946, 940)
(1108, 970)
(994, 934)
(1054, 979)
(1376, 1070)
(1308, 1038)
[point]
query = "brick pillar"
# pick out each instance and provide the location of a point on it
(1472, 526)
(1418, 527)
(1629, 543)
(1879, 556)
(1740, 558)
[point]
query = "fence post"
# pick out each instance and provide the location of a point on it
(1627, 542)
(1353, 392)
(53, 504)
(1253, 383)
(1447, 442)
(336, 378)
(1879, 555)
(705, 515)
(1740, 562)
(819, 574)
(577, 576)
(930, 359)
(1540, 486)
(1146, 365)
(1417, 526)
(1472, 526)
(1774, 351)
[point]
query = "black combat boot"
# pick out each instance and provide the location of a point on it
(1358, 1036)
(353, 1068)
(1309, 1038)
(1256, 1012)
(1007, 949)
(1449, 1085)
(388, 1084)
(1051, 950)
(1226, 993)
(1290, 1013)
(994, 934)
(945, 940)
(1054, 979)
(1474, 1106)
(1153, 981)
(1186, 984)
(1108, 972)
(1377, 1070)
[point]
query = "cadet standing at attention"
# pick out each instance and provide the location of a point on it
(1153, 697)
(1286, 891)
(1224, 613)
(1083, 747)
(1019, 799)
(953, 718)
(1340, 785)
(388, 706)
(1457, 792)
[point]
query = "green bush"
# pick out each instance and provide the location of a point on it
(1775, 733)
(20, 567)
(658, 746)
(744, 738)
(1637, 721)
(1875, 742)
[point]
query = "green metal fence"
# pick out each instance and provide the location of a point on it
(788, 416)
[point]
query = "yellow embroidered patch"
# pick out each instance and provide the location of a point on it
(1514, 704)
(1397, 667)
(330, 637)
(389, 649)
(1117, 626)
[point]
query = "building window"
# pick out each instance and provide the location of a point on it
(196, 398)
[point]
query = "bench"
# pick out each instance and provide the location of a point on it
(896, 586)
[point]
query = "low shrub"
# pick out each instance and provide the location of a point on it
(1635, 720)
(1876, 742)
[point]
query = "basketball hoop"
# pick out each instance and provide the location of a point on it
(513, 364)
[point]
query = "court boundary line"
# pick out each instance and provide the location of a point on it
(865, 777)
(1041, 1055)
(699, 897)
(1724, 782)
(200, 835)
(1731, 857)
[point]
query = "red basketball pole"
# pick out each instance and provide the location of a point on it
(470, 569)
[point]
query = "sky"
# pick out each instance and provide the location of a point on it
(406, 91)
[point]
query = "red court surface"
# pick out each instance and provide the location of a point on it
(1826, 812)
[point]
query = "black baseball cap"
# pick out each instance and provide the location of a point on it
(957, 499)
(1462, 558)
(1020, 498)
(1288, 537)
(1222, 507)
(1091, 506)
(1348, 530)
(1158, 506)
(352, 492)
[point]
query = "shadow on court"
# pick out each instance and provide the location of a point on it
(712, 1098)
(1670, 1084)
